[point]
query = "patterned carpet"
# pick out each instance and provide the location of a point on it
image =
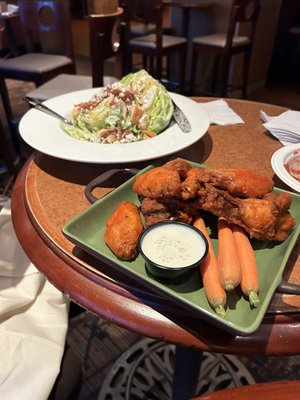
(101, 346)
(106, 351)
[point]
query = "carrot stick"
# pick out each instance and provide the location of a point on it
(249, 281)
(215, 293)
(228, 259)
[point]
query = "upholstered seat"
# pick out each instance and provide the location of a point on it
(32, 64)
(150, 41)
(219, 39)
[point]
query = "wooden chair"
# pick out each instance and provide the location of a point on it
(260, 391)
(154, 46)
(105, 37)
(47, 37)
(223, 46)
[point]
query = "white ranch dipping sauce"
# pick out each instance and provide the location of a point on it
(173, 246)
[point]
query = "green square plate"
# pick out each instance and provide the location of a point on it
(86, 230)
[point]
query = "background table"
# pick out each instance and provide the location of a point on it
(189, 19)
(49, 192)
(185, 8)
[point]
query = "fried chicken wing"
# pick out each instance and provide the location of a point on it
(264, 219)
(179, 165)
(242, 196)
(238, 182)
(122, 230)
(158, 182)
(192, 183)
(164, 181)
(154, 211)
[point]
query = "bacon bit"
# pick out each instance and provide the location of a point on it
(87, 106)
(148, 134)
(125, 94)
(103, 133)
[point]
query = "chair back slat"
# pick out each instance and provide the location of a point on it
(243, 11)
(46, 26)
(146, 12)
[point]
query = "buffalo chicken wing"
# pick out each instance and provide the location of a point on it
(238, 182)
(123, 228)
(243, 197)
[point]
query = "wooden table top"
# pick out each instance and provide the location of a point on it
(49, 192)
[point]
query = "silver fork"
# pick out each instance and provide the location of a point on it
(41, 107)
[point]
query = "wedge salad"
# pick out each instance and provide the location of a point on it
(135, 108)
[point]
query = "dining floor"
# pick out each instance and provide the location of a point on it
(112, 363)
(108, 354)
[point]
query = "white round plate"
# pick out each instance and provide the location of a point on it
(278, 161)
(43, 133)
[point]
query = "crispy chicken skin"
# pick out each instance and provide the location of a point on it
(191, 185)
(155, 211)
(242, 196)
(122, 230)
(266, 219)
(179, 165)
(164, 181)
(238, 182)
(158, 182)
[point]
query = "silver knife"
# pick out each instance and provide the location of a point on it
(181, 119)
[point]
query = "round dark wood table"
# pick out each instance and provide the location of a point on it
(49, 192)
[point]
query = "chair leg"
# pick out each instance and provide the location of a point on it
(246, 63)
(182, 63)
(126, 62)
(158, 66)
(145, 62)
(224, 76)
(168, 69)
(12, 123)
(150, 65)
(216, 63)
(118, 67)
(193, 70)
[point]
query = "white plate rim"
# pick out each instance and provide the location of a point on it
(281, 157)
(53, 141)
